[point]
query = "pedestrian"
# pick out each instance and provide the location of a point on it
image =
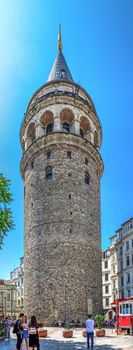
(33, 334)
(7, 327)
(25, 331)
(90, 331)
(18, 330)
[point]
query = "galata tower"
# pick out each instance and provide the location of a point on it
(61, 167)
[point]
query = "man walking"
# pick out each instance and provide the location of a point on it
(90, 331)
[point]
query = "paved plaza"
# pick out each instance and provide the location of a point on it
(55, 341)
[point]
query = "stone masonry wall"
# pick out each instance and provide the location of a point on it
(62, 234)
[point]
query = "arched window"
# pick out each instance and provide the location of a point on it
(31, 132)
(49, 173)
(66, 127)
(87, 179)
(49, 128)
(81, 133)
(95, 138)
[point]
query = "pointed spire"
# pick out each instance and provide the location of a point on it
(59, 39)
(60, 70)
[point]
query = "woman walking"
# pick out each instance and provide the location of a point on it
(25, 331)
(33, 334)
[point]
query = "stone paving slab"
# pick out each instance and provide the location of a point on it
(55, 341)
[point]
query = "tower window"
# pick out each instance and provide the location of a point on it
(69, 154)
(87, 179)
(81, 133)
(66, 127)
(48, 155)
(86, 161)
(69, 196)
(49, 128)
(63, 73)
(49, 173)
(32, 164)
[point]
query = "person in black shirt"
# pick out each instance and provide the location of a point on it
(18, 329)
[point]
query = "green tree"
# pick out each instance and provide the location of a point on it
(6, 219)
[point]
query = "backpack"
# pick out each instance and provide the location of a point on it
(15, 328)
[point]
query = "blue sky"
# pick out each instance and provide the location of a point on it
(98, 47)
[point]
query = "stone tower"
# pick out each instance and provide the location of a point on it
(61, 168)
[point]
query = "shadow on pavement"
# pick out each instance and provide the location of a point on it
(50, 344)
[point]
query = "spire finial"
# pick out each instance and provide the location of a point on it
(59, 39)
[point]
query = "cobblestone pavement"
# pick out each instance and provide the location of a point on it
(109, 342)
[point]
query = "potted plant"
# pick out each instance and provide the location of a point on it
(67, 332)
(100, 332)
(84, 333)
(42, 332)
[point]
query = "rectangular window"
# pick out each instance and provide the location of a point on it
(128, 278)
(132, 259)
(106, 289)
(86, 161)
(121, 251)
(113, 284)
(69, 154)
(106, 264)
(127, 245)
(8, 297)
(106, 277)
(128, 293)
(122, 295)
(128, 261)
(107, 301)
(132, 243)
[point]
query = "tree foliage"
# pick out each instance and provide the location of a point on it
(6, 219)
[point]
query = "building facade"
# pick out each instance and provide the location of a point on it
(124, 247)
(17, 279)
(7, 299)
(117, 266)
(106, 283)
(61, 167)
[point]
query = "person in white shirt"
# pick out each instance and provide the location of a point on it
(90, 331)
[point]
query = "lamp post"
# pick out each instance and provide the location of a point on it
(11, 300)
(65, 303)
(5, 306)
(2, 302)
(94, 299)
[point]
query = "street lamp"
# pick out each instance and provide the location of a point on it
(5, 306)
(65, 302)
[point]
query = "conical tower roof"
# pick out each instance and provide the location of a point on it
(60, 70)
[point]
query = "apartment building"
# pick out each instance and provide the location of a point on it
(8, 296)
(117, 267)
(17, 279)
